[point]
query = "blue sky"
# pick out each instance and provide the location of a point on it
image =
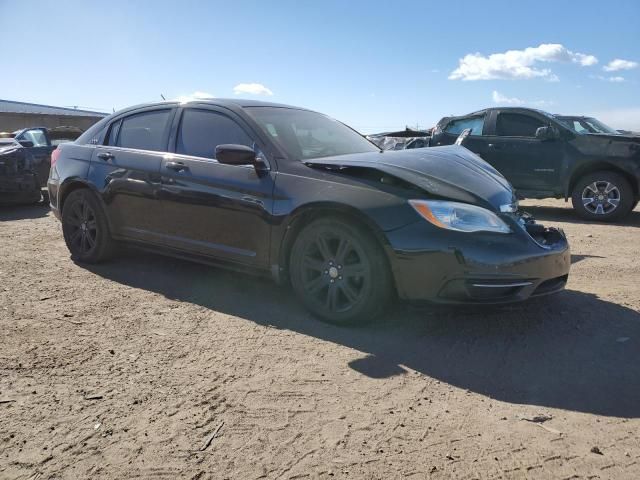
(373, 66)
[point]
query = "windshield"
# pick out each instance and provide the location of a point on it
(304, 135)
(587, 125)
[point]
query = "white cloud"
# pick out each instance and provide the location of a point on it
(504, 100)
(615, 79)
(501, 99)
(619, 64)
(197, 95)
(623, 118)
(518, 64)
(251, 89)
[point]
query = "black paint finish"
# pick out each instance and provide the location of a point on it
(246, 216)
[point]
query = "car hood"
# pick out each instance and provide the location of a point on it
(450, 172)
(616, 138)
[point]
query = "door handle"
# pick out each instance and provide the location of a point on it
(177, 166)
(106, 156)
(494, 146)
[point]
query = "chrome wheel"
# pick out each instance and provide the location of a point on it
(601, 197)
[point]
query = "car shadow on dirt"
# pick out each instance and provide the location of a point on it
(20, 212)
(560, 214)
(572, 350)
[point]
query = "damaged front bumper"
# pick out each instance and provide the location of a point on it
(449, 267)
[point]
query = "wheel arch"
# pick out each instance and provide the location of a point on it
(304, 215)
(78, 184)
(599, 166)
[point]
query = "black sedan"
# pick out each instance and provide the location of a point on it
(295, 194)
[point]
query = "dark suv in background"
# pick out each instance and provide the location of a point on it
(543, 158)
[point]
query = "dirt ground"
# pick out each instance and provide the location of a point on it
(149, 367)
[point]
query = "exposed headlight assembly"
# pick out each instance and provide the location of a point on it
(460, 217)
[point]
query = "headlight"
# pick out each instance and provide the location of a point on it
(461, 217)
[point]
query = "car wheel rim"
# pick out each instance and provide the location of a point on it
(335, 272)
(82, 227)
(601, 197)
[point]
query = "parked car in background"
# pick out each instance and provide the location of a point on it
(19, 183)
(40, 142)
(401, 140)
(544, 158)
(290, 192)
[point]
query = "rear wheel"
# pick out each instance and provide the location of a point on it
(602, 196)
(85, 228)
(340, 272)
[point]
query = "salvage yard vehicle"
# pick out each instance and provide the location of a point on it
(402, 140)
(40, 142)
(293, 193)
(18, 181)
(544, 158)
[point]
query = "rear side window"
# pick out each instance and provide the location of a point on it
(517, 125)
(201, 131)
(144, 131)
(458, 126)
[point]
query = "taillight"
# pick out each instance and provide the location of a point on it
(54, 156)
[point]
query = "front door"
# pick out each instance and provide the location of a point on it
(210, 208)
(529, 163)
(40, 151)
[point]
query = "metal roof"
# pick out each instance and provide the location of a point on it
(11, 106)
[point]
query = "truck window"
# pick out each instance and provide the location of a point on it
(457, 126)
(36, 136)
(517, 125)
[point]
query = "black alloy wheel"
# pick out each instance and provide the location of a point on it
(85, 228)
(340, 272)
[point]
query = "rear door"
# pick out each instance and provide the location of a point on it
(218, 210)
(529, 163)
(127, 167)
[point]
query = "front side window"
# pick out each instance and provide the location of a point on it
(456, 127)
(35, 136)
(305, 135)
(144, 131)
(201, 131)
(517, 125)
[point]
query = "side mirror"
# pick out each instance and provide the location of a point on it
(547, 133)
(26, 143)
(231, 154)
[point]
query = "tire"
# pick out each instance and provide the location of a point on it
(85, 228)
(610, 193)
(340, 273)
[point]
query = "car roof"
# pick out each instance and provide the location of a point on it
(489, 109)
(233, 103)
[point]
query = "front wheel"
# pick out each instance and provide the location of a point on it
(85, 228)
(602, 196)
(340, 272)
